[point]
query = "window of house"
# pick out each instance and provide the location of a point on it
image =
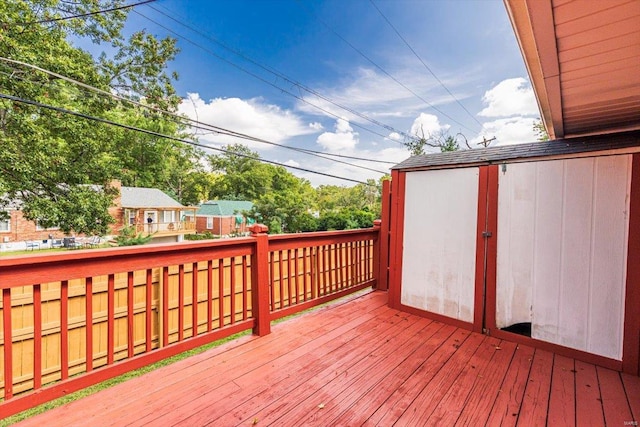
(132, 216)
(168, 216)
(210, 222)
(5, 225)
(42, 228)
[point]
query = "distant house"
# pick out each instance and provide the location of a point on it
(148, 209)
(223, 217)
(152, 211)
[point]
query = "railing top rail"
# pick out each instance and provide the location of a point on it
(299, 240)
(19, 271)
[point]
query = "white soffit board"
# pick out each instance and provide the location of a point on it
(439, 246)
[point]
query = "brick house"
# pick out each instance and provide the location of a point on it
(223, 217)
(170, 220)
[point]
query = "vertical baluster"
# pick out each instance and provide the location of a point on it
(88, 318)
(194, 298)
(148, 313)
(111, 295)
(280, 279)
(314, 261)
(8, 344)
(244, 287)
(180, 302)
(209, 295)
(340, 264)
(296, 272)
(289, 277)
(272, 283)
(64, 329)
(37, 337)
(220, 293)
(165, 306)
(233, 290)
(130, 331)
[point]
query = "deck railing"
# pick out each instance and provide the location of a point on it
(69, 320)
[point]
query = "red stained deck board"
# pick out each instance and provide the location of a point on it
(614, 400)
(632, 389)
(486, 388)
(451, 405)
(345, 387)
(189, 373)
(562, 401)
(506, 408)
(371, 365)
(533, 411)
(445, 383)
(416, 405)
(233, 367)
(588, 400)
(360, 411)
(258, 388)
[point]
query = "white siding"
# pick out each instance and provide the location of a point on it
(562, 228)
(439, 247)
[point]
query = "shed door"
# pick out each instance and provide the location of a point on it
(562, 251)
(439, 243)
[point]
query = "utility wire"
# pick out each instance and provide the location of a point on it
(160, 135)
(84, 15)
(197, 124)
(423, 63)
(372, 62)
(272, 71)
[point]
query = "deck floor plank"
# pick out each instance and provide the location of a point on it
(365, 364)
(361, 410)
(486, 389)
(562, 402)
(342, 391)
(533, 411)
(275, 402)
(588, 399)
(614, 400)
(632, 389)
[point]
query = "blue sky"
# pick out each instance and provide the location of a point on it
(293, 45)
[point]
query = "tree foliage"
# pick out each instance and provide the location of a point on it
(441, 140)
(540, 131)
(50, 161)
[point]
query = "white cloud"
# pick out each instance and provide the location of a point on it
(377, 96)
(510, 97)
(427, 124)
(316, 126)
(251, 117)
(512, 130)
(344, 138)
(293, 163)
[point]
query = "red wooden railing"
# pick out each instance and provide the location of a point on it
(73, 319)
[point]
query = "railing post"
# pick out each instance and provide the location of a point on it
(377, 268)
(260, 280)
(383, 237)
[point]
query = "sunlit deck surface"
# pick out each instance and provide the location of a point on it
(358, 362)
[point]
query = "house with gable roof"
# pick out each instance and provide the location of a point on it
(223, 217)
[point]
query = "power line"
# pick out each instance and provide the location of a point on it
(197, 124)
(424, 64)
(84, 15)
(160, 135)
(274, 72)
(372, 62)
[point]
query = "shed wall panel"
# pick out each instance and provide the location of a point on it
(439, 245)
(562, 228)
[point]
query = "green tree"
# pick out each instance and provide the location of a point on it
(441, 140)
(48, 159)
(540, 131)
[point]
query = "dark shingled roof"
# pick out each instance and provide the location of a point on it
(512, 153)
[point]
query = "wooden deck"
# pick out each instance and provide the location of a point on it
(358, 362)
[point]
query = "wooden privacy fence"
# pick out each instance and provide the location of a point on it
(69, 320)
